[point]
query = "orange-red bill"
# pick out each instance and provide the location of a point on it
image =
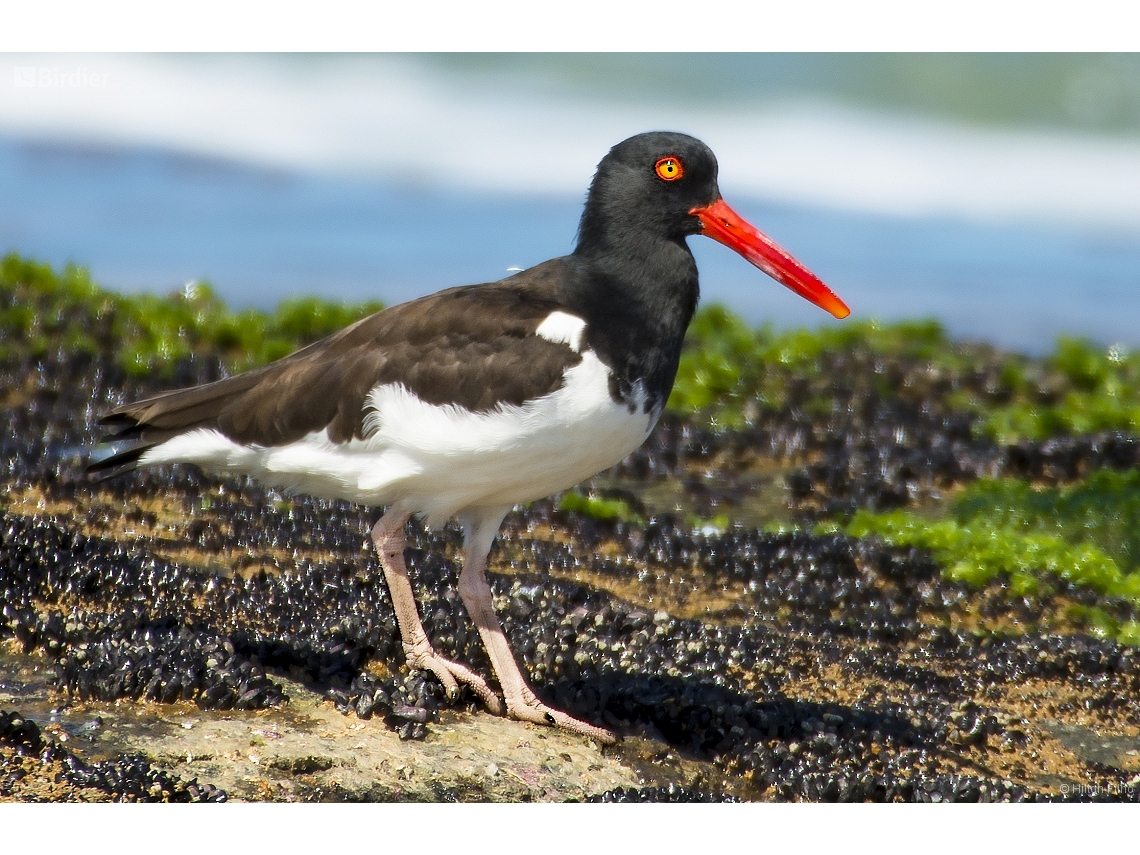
(724, 225)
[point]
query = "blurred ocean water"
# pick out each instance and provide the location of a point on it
(999, 194)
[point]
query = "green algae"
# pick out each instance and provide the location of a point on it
(1103, 509)
(615, 509)
(1080, 388)
(1086, 535)
(729, 372)
(598, 507)
(42, 310)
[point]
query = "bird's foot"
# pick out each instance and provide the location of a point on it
(423, 657)
(527, 707)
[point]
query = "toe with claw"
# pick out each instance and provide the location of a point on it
(423, 657)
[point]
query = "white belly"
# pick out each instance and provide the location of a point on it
(438, 460)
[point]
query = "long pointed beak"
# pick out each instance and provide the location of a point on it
(724, 225)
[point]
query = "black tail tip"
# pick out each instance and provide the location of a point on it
(114, 465)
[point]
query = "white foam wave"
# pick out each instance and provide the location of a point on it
(393, 117)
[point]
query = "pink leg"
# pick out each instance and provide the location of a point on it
(479, 530)
(388, 535)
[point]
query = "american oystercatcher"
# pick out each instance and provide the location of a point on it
(467, 402)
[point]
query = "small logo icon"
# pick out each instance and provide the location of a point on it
(24, 77)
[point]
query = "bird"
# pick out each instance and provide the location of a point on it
(470, 401)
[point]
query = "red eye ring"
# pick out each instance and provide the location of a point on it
(669, 168)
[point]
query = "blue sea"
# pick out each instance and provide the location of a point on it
(1000, 195)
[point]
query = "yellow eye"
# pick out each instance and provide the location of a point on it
(669, 169)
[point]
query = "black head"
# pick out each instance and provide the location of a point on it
(654, 190)
(647, 186)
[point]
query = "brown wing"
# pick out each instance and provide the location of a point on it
(473, 346)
